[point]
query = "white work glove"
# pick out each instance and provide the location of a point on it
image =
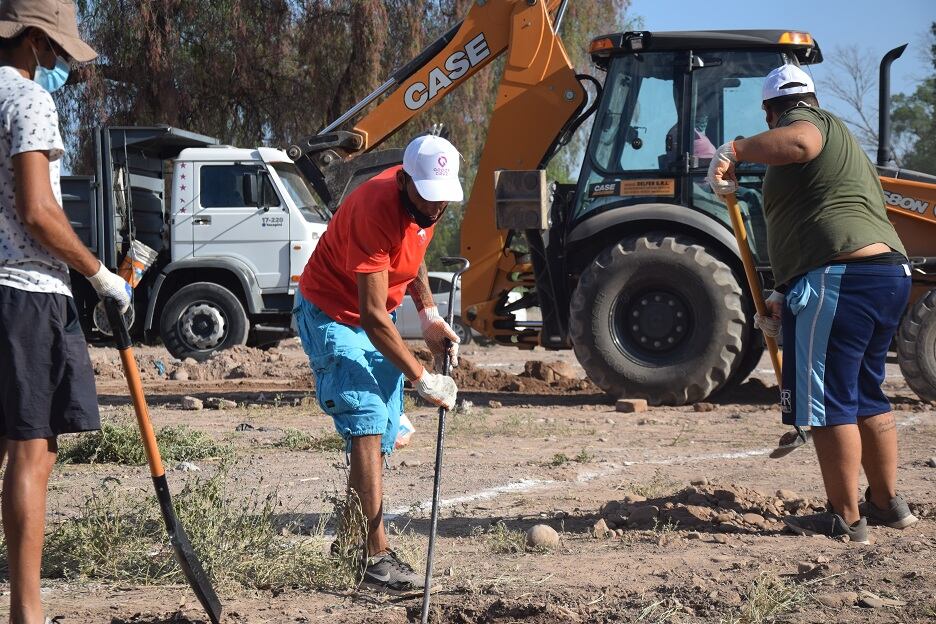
(111, 285)
(771, 323)
(436, 332)
(721, 170)
(440, 390)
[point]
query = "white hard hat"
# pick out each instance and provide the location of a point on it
(787, 80)
(432, 162)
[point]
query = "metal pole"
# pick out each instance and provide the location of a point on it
(354, 110)
(884, 153)
(440, 441)
(560, 14)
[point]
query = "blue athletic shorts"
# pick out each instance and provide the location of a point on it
(838, 323)
(354, 383)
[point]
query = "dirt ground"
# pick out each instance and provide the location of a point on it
(669, 515)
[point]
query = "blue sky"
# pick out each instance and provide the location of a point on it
(875, 25)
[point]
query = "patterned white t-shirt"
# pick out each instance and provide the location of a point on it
(28, 123)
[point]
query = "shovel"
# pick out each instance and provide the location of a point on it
(792, 439)
(440, 439)
(184, 552)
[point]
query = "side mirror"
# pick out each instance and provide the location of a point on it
(255, 189)
(252, 188)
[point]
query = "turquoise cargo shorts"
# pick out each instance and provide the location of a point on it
(354, 383)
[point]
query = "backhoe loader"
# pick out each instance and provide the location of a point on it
(634, 265)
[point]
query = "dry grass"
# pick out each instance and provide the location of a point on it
(119, 442)
(296, 440)
(410, 546)
(502, 540)
(658, 485)
(661, 611)
(561, 459)
(119, 535)
(767, 599)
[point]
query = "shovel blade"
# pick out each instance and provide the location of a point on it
(185, 554)
(789, 442)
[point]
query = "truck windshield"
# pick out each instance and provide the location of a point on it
(300, 192)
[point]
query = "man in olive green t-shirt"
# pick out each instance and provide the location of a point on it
(843, 282)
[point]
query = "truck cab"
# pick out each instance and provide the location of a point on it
(231, 230)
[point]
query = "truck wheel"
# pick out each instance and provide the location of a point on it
(916, 347)
(200, 319)
(658, 317)
(462, 331)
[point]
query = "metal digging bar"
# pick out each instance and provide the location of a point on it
(437, 482)
(754, 285)
(184, 552)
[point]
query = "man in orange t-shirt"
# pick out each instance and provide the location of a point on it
(371, 255)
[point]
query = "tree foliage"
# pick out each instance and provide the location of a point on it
(854, 82)
(272, 71)
(914, 120)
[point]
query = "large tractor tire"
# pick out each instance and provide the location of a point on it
(658, 317)
(202, 319)
(916, 347)
(752, 350)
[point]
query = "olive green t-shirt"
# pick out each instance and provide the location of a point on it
(827, 206)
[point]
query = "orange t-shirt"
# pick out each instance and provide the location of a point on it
(370, 232)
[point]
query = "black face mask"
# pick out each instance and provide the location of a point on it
(419, 218)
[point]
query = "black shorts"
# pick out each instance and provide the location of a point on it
(46, 379)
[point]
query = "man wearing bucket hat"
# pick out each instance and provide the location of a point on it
(372, 254)
(843, 280)
(46, 379)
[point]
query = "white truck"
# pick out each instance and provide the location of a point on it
(231, 229)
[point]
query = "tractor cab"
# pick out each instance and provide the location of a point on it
(669, 100)
(656, 307)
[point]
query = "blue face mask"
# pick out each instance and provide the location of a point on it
(51, 79)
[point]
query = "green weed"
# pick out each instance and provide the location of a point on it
(658, 485)
(120, 443)
(119, 535)
(502, 540)
(296, 440)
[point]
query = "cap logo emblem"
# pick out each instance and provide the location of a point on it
(441, 170)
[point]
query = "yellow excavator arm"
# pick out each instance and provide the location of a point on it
(537, 97)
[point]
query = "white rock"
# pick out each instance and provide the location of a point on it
(542, 536)
(192, 403)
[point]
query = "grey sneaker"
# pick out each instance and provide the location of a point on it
(828, 524)
(896, 516)
(387, 573)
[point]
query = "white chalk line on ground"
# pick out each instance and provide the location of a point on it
(528, 485)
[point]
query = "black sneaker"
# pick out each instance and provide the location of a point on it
(387, 573)
(828, 524)
(896, 516)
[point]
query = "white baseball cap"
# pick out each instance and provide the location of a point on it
(432, 162)
(787, 80)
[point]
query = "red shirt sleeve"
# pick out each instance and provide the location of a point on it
(370, 243)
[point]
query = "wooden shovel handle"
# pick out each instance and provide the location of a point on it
(132, 373)
(754, 284)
